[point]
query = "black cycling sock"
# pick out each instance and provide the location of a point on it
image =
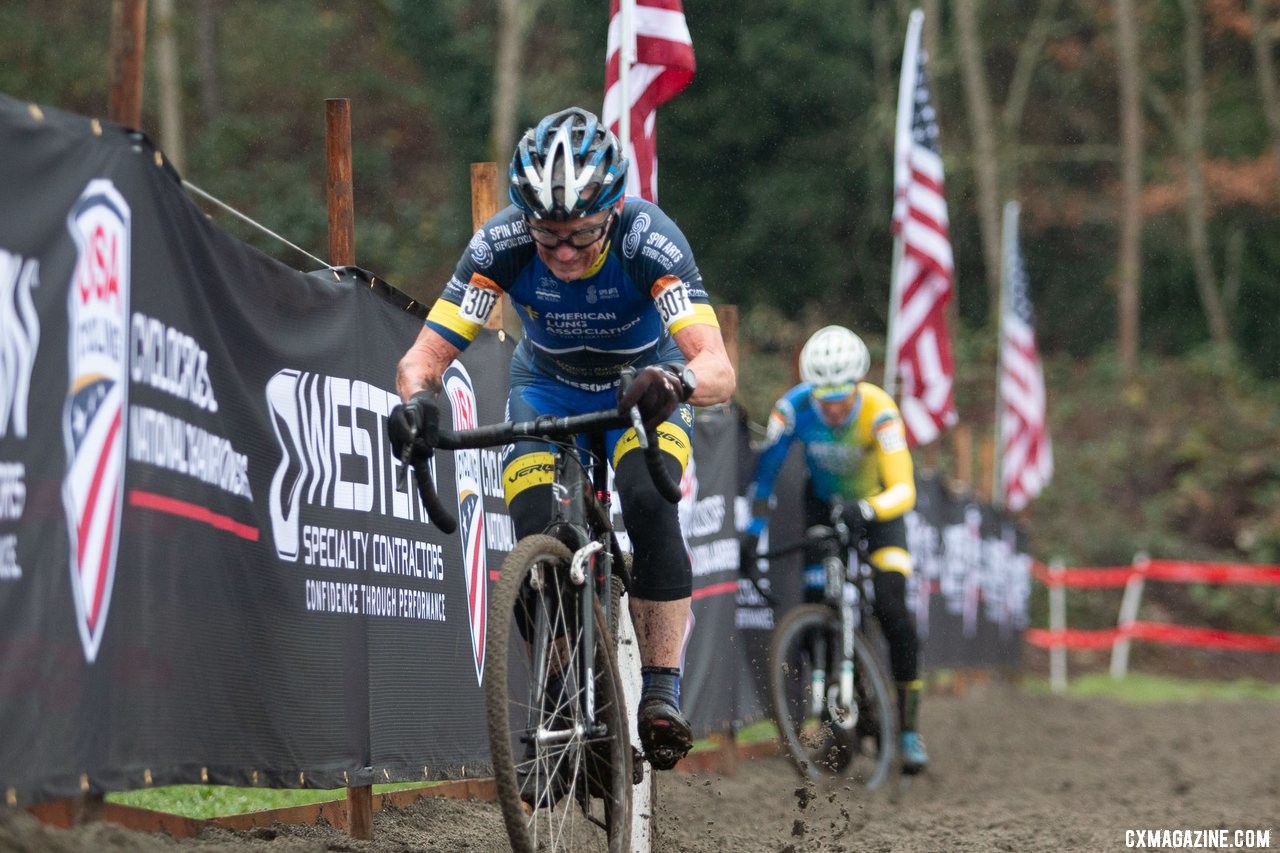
(908, 704)
(661, 681)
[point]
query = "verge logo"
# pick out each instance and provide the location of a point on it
(462, 399)
(92, 418)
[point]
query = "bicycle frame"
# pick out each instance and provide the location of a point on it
(844, 591)
(569, 630)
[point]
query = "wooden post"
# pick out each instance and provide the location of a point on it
(1128, 615)
(484, 204)
(124, 106)
(128, 38)
(1057, 627)
(986, 466)
(342, 252)
(962, 436)
(341, 192)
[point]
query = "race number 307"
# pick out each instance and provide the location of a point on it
(477, 303)
(672, 299)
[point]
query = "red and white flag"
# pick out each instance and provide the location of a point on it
(1026, 456)
(918, 359)
(663, 67)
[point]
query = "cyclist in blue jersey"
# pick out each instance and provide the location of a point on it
(855, 449)
(601, 282)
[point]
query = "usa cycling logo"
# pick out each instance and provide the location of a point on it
(631, 243)
(467, 474)
(93, 413)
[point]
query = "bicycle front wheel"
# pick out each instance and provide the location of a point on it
(563, 775)
(822, 738)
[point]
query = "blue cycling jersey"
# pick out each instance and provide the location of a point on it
(644, 288)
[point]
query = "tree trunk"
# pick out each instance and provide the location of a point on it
(514, 17)
(1265, 70)
(1197, 199)
(1030, 56)
(170, 85)
(207, 56)
(1129, 275)
(932, 31)
(986, 173)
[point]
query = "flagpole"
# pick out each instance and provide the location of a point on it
(891, 348)
(1009, 237)
(626, 58)
(901, 149)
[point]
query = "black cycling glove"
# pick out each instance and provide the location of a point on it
(856, 517)
(410, 422)
(655, 392)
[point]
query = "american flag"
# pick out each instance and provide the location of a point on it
(1026, 456)
(919, 357)
(663, 67)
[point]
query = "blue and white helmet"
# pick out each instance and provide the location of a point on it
(568, 167)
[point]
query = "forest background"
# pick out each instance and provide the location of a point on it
(1141, 138)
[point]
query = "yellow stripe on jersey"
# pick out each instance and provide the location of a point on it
(604, 256)
(480, 296)
(703, 315)
(527, 471)
(446, 314)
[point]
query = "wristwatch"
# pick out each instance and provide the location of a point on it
(688, 380)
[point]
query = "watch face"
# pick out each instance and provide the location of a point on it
(690, 382)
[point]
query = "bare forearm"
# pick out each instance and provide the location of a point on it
(422, 366)
(716, 379)
(709, 361)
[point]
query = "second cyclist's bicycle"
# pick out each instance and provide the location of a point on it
(828, 692)
(563, 760)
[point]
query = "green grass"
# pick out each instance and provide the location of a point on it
(1145, 689)
(209, 801)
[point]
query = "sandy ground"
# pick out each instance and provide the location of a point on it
(1011, 772)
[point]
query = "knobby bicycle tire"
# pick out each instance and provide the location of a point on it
(593, 774)
(819, 746)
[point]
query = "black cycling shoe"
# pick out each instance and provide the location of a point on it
(664, 733)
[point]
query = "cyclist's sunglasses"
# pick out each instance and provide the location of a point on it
(580, 239)
(833, 393)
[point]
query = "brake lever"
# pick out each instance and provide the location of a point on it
(625, 378)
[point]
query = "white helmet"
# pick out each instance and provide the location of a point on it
(833, 355)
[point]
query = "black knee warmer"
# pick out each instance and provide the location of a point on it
(661, 571)
(897, 624)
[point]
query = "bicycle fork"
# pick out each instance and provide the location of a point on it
(581, 568)
(838, 697)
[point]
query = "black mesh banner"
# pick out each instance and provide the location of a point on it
(713, 655)
(209, 570)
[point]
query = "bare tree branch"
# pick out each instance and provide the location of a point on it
(986, 170)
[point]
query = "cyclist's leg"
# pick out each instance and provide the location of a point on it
(887, 545)
(661, 585)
